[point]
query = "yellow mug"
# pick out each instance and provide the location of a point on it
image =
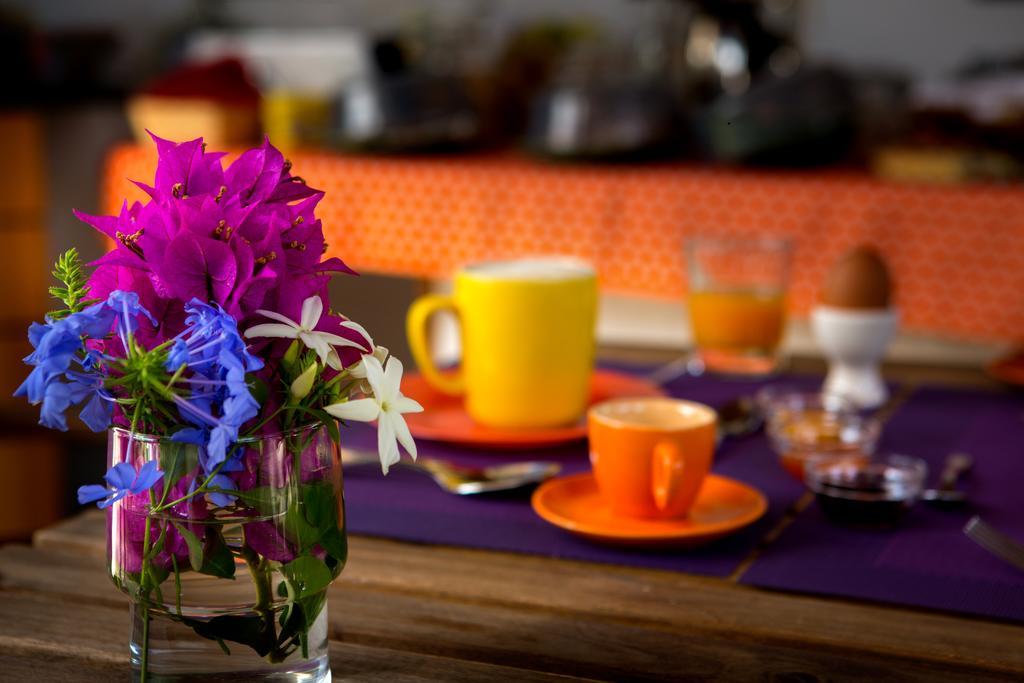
(527, 329)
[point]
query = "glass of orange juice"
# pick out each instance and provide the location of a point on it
(737, 302)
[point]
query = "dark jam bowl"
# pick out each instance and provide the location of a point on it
(875, 493)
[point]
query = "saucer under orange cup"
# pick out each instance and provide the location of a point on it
(723, 507)
(650, 483)
(444, 417)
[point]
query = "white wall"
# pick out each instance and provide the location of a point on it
(923, 37)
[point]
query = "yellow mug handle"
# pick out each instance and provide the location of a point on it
(416, 329)
(666, 473)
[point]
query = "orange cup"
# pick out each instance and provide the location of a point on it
(650, 455)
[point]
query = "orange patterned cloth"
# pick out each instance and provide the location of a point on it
(957, 252)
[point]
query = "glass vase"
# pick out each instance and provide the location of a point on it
(228, 581)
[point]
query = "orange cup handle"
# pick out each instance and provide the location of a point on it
(666, 473)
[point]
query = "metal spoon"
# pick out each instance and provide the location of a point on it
(739, 417)
(463, 480)
(671, 370)
(947, 492)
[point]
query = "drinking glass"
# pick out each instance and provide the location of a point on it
(232, 588)
(737, 302)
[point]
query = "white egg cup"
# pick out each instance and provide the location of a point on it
(854, 341)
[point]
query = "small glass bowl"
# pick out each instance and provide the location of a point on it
(873, 493)
(820, 427)
(775, 398)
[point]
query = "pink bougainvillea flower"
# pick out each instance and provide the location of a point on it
(245, 237)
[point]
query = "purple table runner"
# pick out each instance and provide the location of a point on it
(408, 506)
(926, 561)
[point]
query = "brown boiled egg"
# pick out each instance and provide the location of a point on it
(859, 279)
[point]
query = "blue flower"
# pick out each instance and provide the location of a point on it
(239, 404)
(178, 355)
(220, 401)
(99, 410)
(196, 437)
(57, 398)
(218, 498)
(56, 343)
(34, 386)
(59, 395)
(126, 306)
(36, 332)
(93, 322)
(213, 443)
(202, 438)
(59, 343)
(208, 331)
(121, 479)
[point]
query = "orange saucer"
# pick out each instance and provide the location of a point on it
(444, 417)
(723, 506)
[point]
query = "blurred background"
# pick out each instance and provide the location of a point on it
(446, 131)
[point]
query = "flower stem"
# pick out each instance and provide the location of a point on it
(202, 488)
(260, 571)
(144, 667)
(261, 579)
(177, 583)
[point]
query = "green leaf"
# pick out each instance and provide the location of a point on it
(177, 460)
(296, 622)
(253, 631)
(321, 508)
(311, 607)
(320, 504)
(330, 423)
(336, 545)
(260, 391)
(310, 575)
(129, 583)
(68, 270)
(195, 547)
(297, 529)
(267, 500)
(218, 560)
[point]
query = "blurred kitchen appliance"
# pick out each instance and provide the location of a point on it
(804, 119)
(711, 47)
(604, 102)
(601, 120)
(398, 108)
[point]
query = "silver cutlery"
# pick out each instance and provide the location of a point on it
(671, 370)
(463, 480)
(736, 418)
(996, 542)
(739, 417)
(956, 464)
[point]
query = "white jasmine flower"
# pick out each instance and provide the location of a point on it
(358, 370)
(387, 405)
(286, 328)
(334, 360)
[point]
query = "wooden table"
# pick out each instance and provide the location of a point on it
(406, 612)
